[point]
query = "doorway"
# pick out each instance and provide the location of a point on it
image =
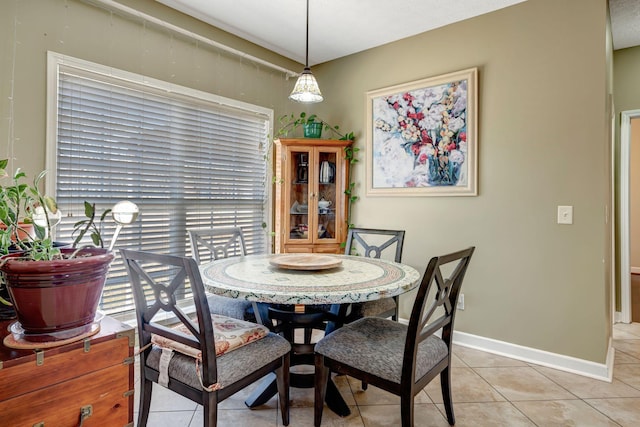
(634, 217)
(629, 185)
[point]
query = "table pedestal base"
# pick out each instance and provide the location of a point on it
(301, 353)
(268, 388)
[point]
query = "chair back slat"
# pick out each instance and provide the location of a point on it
(437, 293)
(208, 244)
(375, 243)
(156, 299)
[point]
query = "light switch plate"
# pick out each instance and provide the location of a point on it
(565, 214)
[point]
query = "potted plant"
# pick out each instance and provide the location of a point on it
(55, 290)
(312, 125)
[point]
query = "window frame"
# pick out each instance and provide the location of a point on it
(57, 63)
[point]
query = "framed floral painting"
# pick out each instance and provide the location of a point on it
(421, 137)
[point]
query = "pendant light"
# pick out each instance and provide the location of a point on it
(306, 89)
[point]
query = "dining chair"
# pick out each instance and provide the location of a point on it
(208, 244)
(401, 359)
(195, 359)
(375, 243)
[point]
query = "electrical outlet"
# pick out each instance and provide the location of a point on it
(461, 302)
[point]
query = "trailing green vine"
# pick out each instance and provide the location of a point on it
(350, 154)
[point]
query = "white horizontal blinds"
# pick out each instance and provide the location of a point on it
(186, 162)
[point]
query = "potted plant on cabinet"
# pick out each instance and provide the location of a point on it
(312, 125)
(55, 290)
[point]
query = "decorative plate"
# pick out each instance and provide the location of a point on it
(305, 262)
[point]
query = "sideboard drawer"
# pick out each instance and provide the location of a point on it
(49, 387)
(106, 390)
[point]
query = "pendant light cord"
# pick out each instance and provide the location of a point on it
(306, 61)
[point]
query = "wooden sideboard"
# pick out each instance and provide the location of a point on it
(56, 386)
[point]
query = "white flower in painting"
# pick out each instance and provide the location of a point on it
(429, 96)
(381, 111)
(460, 105)
(456, 156)
(419, 177)
(391, 164)
(433, 117)
(410, 133)
(460, 99)
(382, 125)
(462, 146)
(456, 123)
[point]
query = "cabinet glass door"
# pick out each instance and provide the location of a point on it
(299, 196)
(327, 196)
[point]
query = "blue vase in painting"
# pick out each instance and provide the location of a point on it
(443, 173)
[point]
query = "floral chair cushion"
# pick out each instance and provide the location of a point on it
(230, 334)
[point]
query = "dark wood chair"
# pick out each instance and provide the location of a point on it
(398, 358)
(208, 244)
(158, 281)
(375, 243)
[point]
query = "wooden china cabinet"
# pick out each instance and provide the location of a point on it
(311, 207)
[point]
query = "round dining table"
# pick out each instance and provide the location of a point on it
(307, 279)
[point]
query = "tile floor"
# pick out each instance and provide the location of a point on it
(488, 390)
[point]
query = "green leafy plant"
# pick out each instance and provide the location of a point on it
(82, 227)
(19, 204)
(28, 217)
(24, 204)
(291, 122)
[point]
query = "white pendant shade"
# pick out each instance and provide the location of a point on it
(306, 88)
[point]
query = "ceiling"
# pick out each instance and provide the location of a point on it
(625, 23)
(341, 27)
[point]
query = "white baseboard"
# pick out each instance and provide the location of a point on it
(599, 371)
(587, 368)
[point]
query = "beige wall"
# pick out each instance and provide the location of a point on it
(543, 142)
(29, 28)
(626, 79)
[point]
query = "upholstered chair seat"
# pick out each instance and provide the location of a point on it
(376, 345)
(232, 366)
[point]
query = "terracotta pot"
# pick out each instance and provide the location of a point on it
(51, 297)
(25, 231)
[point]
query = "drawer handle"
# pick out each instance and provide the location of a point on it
(85, 412)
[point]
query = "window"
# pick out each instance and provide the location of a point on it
(188, 159)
